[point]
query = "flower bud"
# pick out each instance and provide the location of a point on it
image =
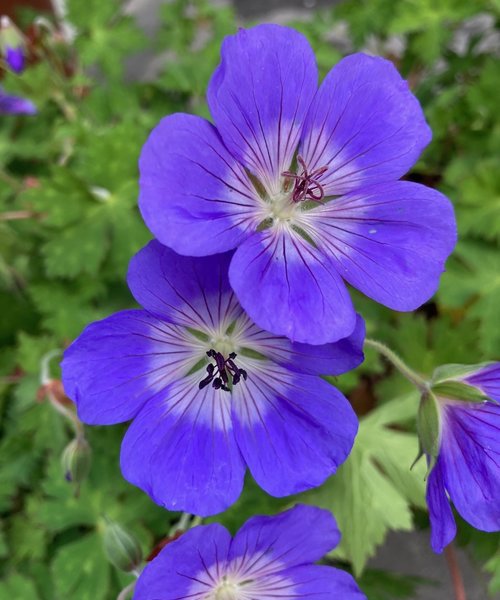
(11, 44)
(122, 549)
(429, 426)
(76, 460)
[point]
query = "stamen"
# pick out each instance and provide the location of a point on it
(224, 372)
(307, 186)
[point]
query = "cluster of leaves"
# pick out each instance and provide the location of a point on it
(69, 224)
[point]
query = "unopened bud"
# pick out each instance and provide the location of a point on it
(76, 460)
(11, 44)
(122, 548)
(429, 426)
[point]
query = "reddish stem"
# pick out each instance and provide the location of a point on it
(455, 574)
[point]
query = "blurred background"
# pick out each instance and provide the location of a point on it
(101, 74)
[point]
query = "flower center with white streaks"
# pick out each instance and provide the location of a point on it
(256, 577)
(223, 344)
(227, 590)
(282, 209)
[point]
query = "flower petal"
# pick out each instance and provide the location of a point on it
(364, 125)
(325, 359)
(259, 96)
(185, 568)
(487, 380)
(14, 57)
(181, 450)
(390, 241)
(322, 583)
(289, 288)
(293, 430)
(265, 544)
(15, 105)
(193, 292)
(470, 458)
(194, 196)
(443, 527)
(118, 363)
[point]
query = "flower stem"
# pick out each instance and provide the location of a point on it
(126, 591)
(17, 215)
(56, 405)
(182, 524)
(456, 576)
(419, 382)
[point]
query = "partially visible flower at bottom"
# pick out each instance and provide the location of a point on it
(210, 393)
(467, 467)
(15, 105)
(269, 558)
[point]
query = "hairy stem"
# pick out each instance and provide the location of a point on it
(456, 576)
(399, 364)
(126, 591)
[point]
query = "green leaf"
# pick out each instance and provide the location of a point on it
(80, 569)
(17, 587)
(62, 199)
(79, 249)
(68, 308)
(105, 35)
(476, 187)
(473, 280)
(375, 476)
(253, 500)
(493, 567)
(26, 540)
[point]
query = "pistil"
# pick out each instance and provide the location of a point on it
(306, 186)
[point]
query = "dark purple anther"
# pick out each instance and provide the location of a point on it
(307, 186)
(219, 374)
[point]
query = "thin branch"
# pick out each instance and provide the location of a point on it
(126, 591)
(18, 215)
(399, 364)
(455, 574)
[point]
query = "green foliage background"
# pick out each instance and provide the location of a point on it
(72, 171)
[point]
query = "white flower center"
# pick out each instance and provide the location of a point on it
(223, 344)
(226, 590)
(281, 208)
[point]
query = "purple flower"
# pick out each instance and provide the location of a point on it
(210, 393)
(11, 44)
(486, 379)
(304, 183)
(467, 469)
(15, 59)
(269, 558)
(14, 105)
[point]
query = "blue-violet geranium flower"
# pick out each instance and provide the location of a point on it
(209, 392)
(467, 467)
(268, 558)
(303, 182)
(15, 105)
